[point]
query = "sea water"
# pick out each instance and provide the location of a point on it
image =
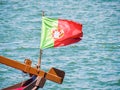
(91, 64)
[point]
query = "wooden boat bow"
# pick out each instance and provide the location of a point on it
(53, 74)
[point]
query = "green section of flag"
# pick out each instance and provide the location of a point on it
(48, 24)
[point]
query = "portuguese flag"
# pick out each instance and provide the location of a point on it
(59, 32)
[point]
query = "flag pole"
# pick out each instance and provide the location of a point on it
(40, 57)
(39, 60)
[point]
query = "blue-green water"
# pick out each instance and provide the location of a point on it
(91, 64)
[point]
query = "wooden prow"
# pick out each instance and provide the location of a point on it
(54, 74)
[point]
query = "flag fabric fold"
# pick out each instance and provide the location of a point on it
(59, 32)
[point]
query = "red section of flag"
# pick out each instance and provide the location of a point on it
(70, 32)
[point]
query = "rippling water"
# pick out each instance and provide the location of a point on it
(92, 64)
